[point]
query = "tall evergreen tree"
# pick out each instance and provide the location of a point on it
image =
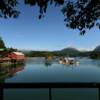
(2, 45)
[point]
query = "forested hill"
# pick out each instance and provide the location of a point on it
(97, 49)
(70, 50)
(64, 52)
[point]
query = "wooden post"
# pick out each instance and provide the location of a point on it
(99, 93)
(1, 93)
(50, 94)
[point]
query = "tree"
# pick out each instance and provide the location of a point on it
(78, 14)
(82, 15)
(2, 45)
(8, 8)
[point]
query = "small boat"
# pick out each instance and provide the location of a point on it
(68, 60)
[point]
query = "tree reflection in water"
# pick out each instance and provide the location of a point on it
(10, 71)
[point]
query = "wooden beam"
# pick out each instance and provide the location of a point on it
(50, 85)
(1, 93)
(50, 94)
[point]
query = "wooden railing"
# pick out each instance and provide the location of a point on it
(48, 85)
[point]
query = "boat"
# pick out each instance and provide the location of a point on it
(68, 60)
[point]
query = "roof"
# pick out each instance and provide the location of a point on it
(18, 53)
(1, 49)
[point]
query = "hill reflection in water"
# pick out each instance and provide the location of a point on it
(37, 70)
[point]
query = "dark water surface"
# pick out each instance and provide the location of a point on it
(36, 70)
(57, 94)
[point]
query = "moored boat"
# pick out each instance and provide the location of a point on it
(68, 60)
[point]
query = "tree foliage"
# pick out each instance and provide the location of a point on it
(8, 8)
(82, 15)
(2, 45)
(78, 14)
(43, 4)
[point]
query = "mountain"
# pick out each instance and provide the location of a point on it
(95, 54)
(70, 50)
(97, 49)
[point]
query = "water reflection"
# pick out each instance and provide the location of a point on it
(47, 64)
(41, 70)
(93, 62)
(10, 71)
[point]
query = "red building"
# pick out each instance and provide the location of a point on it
(16, 56)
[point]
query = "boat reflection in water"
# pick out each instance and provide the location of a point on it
(48, 63)
(10, 71)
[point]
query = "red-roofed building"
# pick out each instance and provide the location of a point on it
(16, 56)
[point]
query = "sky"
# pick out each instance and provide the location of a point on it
(50, 33)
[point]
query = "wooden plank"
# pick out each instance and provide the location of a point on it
(50, 94)
(1, 93)
(99, 93)
(50, 85)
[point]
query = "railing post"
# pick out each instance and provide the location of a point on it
(1, 93)
(99, 93)
(50, 94)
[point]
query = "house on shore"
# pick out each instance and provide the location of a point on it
(16, 56)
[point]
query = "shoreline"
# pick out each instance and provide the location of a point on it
(10, 63)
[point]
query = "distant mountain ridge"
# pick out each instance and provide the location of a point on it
(97, 49)
(70, 49)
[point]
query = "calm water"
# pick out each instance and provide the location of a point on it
(36, 70)
(57, 94)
